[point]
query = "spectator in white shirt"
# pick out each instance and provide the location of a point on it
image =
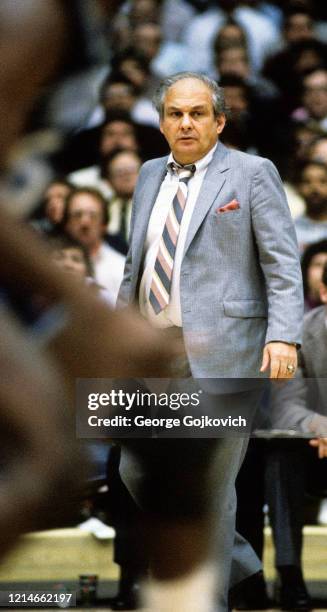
(86, 219)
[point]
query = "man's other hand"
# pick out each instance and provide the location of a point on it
(281, 358)
(318, 426)
(321, 445)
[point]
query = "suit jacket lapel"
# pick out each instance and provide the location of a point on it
(212, 184)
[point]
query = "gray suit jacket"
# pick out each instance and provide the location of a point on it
(294, 404)
(240, 282)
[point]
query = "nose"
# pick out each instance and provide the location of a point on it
(186, 122)
(85, 223)
(67, 265)
(85, 219)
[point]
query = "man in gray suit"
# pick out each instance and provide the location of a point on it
(212, 260)
(292, 467)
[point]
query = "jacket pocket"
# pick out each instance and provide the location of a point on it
(229, 214)
(245, 309)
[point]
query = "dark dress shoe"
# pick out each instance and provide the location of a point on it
(292, 591)
(250, 594)
(127, 597)
(295, 597)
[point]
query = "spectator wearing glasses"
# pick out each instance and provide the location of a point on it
(86, 219)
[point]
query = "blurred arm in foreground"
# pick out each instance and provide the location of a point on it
(39, 457)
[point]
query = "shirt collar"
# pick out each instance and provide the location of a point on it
(200, 164)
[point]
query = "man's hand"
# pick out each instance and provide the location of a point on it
(280, 356)
(321, 445)
(318, 426)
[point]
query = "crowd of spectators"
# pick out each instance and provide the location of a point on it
(73, 175)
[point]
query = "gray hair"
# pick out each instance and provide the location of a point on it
(218, 99)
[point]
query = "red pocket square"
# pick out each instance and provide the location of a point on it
(233, 205)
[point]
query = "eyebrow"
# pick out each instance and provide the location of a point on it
(197, 107)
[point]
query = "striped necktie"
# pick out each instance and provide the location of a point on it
(159, 295)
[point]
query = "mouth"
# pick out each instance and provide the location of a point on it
(186, 138)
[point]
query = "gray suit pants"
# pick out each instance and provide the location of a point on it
(180, 479)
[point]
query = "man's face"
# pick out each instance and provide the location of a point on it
(318, 151)
(314, 274)
(55, 197)
(85, 220)
(117, 135)
(236, 100)
(234, 61)
(299, 27)
(123, 172)
(188, 121)
(71, 260)
(118, 96)
(313, 188)
(315, 94)
(133, 71)
(147, 39)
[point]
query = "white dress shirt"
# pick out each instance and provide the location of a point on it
(171, 315)
(108, 267)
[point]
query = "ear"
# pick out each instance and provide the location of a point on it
(221, 121)
(160, 126)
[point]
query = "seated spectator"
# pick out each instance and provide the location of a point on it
(301, 138)
(148, 135)
(165, 57)
(234, 59)
(116, 93)
(304, 136)
(248, 117)
(86, 219)
(119, 92)
(99, 178)
(93, 175)
(86, 148)
(49, 215)
(135, 66)
(122, 168)
(298, 23)
(73, 257)
(311, 182)
(288, 68)
(294, 466)
(314, 98)
(262, 34)
(233, 36)
(313, 260)
(144, 11)
(298, 27)
(237, 95)
(318, 150)
(241, 130)
(70, 255)
(230, 33)
(117, 132)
